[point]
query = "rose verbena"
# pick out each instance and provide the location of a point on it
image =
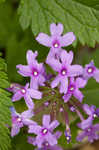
(60, 91)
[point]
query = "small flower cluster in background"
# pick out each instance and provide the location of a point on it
(67, 80)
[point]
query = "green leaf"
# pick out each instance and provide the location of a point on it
(79, 16)
(5, 103)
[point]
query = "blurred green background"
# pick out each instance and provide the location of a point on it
(14, 42)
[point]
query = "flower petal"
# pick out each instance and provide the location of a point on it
(27, 114)
(64, 85)
(66, 97)
(56, 29)
(78, 95)
(31, 56)
(34, 83)
(29, 101)
(57, 134)
(29, 122)
(34, 129)
(46, 120)
(80, 82)
(96, 75)
(44, 39)
(35, 93)
(87, 109)
(55, 82)
(15, 130)
(17, 96)
(51, 139)
(75, 70)
(68, 39)
(53, 125)
(81, 136)
(66, 57)
(24, 70)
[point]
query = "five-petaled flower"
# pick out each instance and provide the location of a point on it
(34, 70)
(44, 133)
(56, 40)
(90, 132)
(46, 145)
(91, 71)
(65, 70)
(19, 120)
(73, 89)
(28, 94)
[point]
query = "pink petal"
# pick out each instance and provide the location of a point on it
(64, 85)
(31, 56)
(29, 102)
(55, 82)
(35, 94)
(87, 109)
(66, 57)
(75, 70)
(46, 120)
(53, 125)
(17, 96)
(27, 114)
(44, 39)
(15, 130)
(78, 95)
(96, 75)
(56, 29)
(24, 70)
(80, 82)
(34, 129)
(67, 39)
(66, 97)
(51, 139)
(34, 83)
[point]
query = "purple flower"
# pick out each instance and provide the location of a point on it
(91, 71)
(73, 89)
(33, 70)
(19, 120)
(65, 70)
(46, 145)
(90, 132)
(28, 94)
(44, 133)
(56, 40)
(14, 87)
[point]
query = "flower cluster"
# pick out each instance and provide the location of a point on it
(66, 80)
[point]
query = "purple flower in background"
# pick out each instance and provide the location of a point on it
(34, 70)
(65, 70)
(19, 120)
(44, 133)
(73, 89)
(28, 94)
(91, 71)
(56, 40)
(90, 132)
(46, 145)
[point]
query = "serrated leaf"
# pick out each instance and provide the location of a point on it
(79, 16)
(5, 103)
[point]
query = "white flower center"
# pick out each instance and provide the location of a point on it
(23, 91)
(56, 45)
(72, 88)
(63, 72)
(45, 131)
(19, 119)
(94, 115)
(68, 138)
(90, 70)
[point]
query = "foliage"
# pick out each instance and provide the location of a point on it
(79, 16)
(5, 102)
